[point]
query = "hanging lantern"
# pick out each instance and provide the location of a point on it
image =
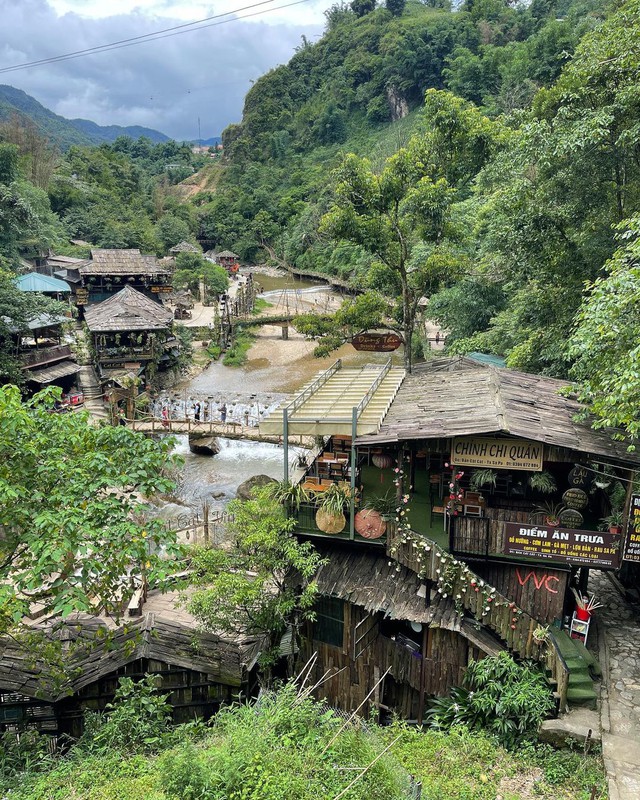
(382, 460)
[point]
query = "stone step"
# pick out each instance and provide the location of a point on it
(582, 697)
(590, 659)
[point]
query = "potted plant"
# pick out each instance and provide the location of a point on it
(613, 522)
(543, 482)
(483, 477)
(290, 495)
(541, 634)
(330, 516)
(550, 513)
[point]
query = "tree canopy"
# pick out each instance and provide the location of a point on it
(71, 511)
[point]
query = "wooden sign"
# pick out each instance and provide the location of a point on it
(570, 518)
(162, 289)
(631, 550)
(580, 477)
(575, 498)
(468, 451)
(546, 543)
(376, 342)
(82, 296)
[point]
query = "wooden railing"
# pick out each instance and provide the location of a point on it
(511, 624)
(46, 355)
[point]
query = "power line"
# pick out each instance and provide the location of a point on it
(165, 33)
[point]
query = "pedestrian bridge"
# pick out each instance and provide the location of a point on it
(228, 430)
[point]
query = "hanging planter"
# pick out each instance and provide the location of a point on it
(329, 516)
(382, 460)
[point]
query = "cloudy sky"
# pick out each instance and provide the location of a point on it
(164, 84)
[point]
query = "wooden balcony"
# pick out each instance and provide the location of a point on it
(45, 355)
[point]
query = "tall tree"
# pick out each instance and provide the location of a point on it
(263, 582)
(606, 341)
(70, 510)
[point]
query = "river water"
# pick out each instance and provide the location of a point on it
(275, 369)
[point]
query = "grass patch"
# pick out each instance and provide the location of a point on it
(260, 305)
(285, 749)
(236, 355)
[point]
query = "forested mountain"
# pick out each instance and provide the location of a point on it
(487, 159)
(532, 125)
(66, 132)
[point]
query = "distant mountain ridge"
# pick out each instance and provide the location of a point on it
(67, 132)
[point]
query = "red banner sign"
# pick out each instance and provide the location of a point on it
(632, 538)
(546, 543)
(376, 342)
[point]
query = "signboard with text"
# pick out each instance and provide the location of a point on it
(162, 289)
(469, 451)
(376, 342)
(543, 542)
(631, 551)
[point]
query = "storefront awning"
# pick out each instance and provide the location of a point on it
(53, 372)
(327, 406)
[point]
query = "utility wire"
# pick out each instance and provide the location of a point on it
(165, 33)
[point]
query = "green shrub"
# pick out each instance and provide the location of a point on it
(137, 720)
(508, 699)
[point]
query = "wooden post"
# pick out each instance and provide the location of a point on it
(425, 630)
(205, 521)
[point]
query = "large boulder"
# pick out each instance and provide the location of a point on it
(203, 445)
(243, 491)
(571, 729)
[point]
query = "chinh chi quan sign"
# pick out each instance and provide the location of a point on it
(631, 550)
(467, 451)
(592, 548)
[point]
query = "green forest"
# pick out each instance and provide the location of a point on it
(485, 158)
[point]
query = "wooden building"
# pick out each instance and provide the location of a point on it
(199, 671)
(128, 332)
(228, 260)
(109, 271)
(376, 615)
(472, 462)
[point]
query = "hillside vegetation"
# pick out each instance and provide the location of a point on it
(284, 747)
(530, 222)
(61, 131)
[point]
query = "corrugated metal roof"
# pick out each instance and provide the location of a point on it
(325, 406)
(35, 282)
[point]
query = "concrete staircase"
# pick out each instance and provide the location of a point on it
(583, 668)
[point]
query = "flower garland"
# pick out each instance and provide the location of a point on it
(453, 577)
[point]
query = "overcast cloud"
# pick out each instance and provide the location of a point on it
(166, 84)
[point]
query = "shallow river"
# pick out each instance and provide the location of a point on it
(250, 393)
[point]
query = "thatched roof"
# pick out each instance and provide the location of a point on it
(450, 397)
(185, 247)
(122, 262)
(226, 254)
(103, 651)
(128, 310)
(371, 581)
